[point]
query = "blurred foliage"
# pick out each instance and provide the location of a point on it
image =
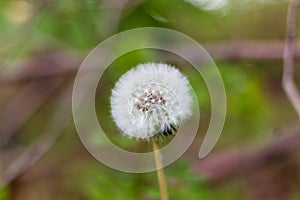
(106, 183)
(28, 27)
(4, 191)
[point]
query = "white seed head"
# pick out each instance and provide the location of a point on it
(151, 99)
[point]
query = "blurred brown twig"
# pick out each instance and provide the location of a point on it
(289, 57)
(34, 91)
(32, 154)
(271, 172)
(229, 51)
(35, 88)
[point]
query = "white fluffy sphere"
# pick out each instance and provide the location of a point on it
(151, 99)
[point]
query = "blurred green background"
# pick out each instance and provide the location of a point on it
(42, 44)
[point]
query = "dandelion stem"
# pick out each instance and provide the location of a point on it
(160, 172)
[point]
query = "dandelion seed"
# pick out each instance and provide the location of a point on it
(151, 100)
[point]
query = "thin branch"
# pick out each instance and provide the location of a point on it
(242, 50)
(288, 83)
(269, 173)
(112, 15)
(240, 161)
(227, 51)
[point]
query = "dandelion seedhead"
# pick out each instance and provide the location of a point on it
(151, 100)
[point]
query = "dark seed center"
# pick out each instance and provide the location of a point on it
(150, 100)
